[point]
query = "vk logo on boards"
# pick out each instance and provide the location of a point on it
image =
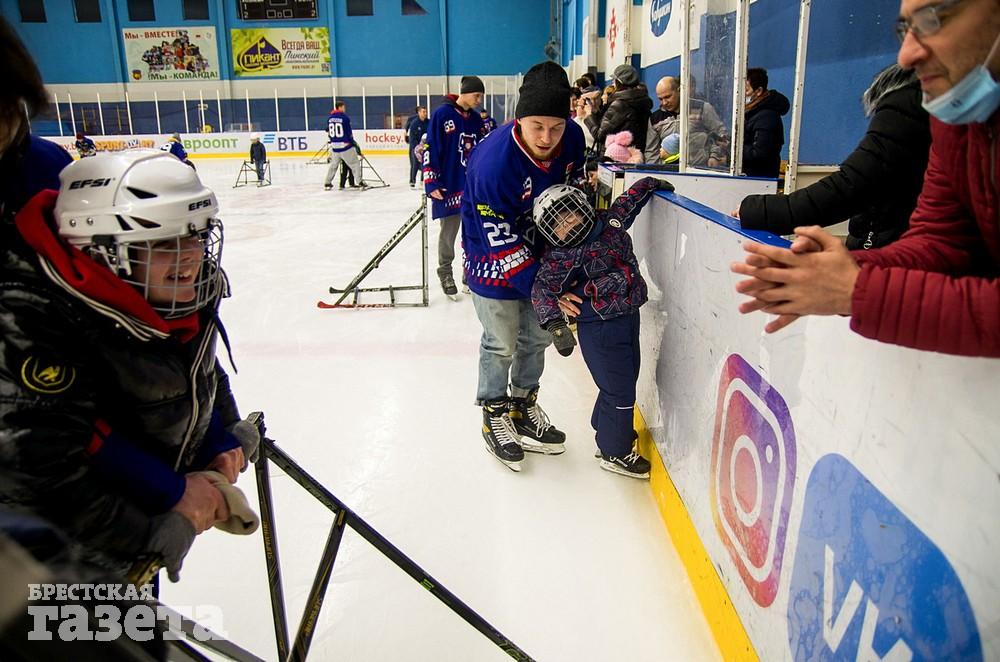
(659, 15)
(753, 473)
(867, 583)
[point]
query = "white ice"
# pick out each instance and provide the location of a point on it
(570, 562)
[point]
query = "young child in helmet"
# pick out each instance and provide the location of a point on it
(589, 259)
(113, 402)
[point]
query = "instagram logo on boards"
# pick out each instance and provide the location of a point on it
(753, 473)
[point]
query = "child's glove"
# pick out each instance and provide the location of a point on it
(664, 185)
(562, 337)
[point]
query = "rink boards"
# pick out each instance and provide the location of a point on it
(237, 145)
(832, 497)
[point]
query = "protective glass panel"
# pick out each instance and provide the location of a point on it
(710, 86)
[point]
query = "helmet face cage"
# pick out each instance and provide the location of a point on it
(178, 275)
(564, 216)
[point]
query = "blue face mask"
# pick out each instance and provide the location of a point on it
(974, 99)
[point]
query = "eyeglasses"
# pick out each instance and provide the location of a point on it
(926, 21)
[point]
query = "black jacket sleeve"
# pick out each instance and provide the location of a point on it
(892, 155)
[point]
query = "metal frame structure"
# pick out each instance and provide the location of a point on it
(297, 650)
(419, 217)
(247, 169)
(794, 131)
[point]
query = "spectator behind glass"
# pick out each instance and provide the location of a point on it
(28, 164)
(878, 182)
(936, 288)
(765, 133)
(628, 108)
(708, 144)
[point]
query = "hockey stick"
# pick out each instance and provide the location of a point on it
(328, 306)
(345, 516)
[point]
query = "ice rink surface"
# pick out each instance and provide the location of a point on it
(570, 562)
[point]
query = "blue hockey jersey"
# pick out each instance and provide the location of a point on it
(452, 134)
(497, 231)
(28, 167)
(176, 148)
(338, 127)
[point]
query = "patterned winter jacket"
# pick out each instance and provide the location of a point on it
(602, 270)
(104, 406)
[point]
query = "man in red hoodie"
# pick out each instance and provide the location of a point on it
(937, 288)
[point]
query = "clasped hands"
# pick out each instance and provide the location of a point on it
(815, 276)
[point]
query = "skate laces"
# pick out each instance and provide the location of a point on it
(632, 457)
(538, 417)
(503, 429)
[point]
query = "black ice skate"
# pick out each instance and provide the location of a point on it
(498, 431)
(632, 465)
(448, 285)
(531, 423)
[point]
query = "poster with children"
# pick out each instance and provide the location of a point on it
(170, 54)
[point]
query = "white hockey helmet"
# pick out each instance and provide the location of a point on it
(149, 219)
(563, 215)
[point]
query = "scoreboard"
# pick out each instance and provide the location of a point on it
(270, 10)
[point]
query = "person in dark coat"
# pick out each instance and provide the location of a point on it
(258, 155)
(876, 186)
(113, 400)
(764, 133)
(416, 127)
(628, 109)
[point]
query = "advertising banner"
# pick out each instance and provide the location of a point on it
(170, 54)
(259, 52)
(235, 145)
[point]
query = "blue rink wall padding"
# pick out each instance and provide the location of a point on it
(844, 490)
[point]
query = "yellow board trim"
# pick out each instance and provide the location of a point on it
(727, 628)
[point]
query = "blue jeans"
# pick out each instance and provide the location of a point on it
(512, 349)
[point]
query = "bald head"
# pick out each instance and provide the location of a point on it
(669, 93)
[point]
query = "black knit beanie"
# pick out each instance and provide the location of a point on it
(472, 84)
(545, 91)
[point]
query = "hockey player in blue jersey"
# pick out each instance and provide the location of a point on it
(489, 124)
(343, 147)
(84, 146)
(175, 147)
(506, 172)
(455, 129)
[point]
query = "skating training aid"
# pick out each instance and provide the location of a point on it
(322, 155)
(369, 175)
(419, 217)
(343, 517)
(247, 170)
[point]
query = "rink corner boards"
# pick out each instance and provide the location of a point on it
(727, 628)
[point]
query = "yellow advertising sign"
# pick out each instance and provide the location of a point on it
(281, 52)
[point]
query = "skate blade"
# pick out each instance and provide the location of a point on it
(529, 445)
(615, 469)
(513, 466)
(453, 297)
